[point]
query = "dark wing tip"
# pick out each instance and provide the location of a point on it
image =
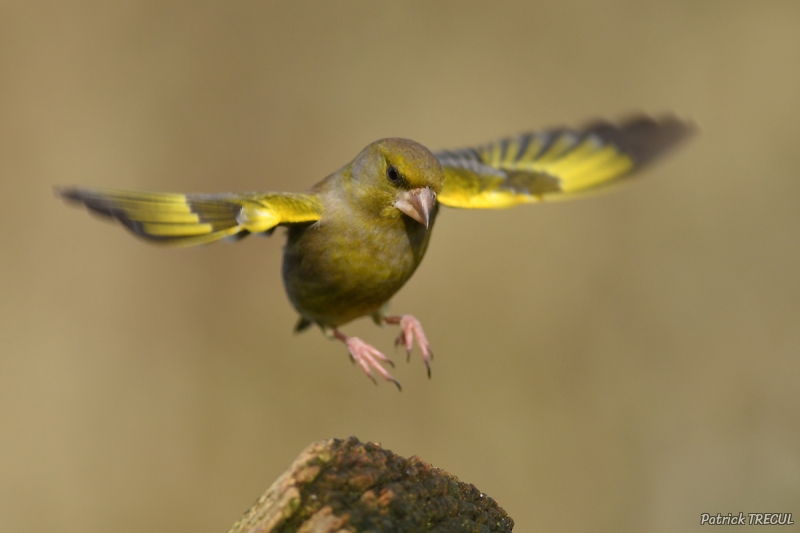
(643, 137)
(94, 201)
(77, 195)
(71, 194)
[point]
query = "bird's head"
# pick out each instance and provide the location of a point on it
(397, 176)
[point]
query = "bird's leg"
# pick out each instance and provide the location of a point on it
(410, 328)
(367, 357)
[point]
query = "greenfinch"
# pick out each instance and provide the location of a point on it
(358, 235)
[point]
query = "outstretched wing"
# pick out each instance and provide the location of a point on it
(554, 164)
(190, 219)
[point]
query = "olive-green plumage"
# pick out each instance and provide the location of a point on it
(357, 236)
(362, 250)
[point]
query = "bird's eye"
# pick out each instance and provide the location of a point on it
(393, 174)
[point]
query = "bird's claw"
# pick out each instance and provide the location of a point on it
(369, 358)
(410, 328)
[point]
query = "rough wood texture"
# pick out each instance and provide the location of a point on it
(338, 486)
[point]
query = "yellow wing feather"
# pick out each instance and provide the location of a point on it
(554, 164)
(191, 219)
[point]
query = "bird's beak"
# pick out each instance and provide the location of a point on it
(418, 204)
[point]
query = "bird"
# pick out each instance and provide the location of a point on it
(357, 236)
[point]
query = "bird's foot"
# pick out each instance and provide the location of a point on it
(410, 328)
(368, 357)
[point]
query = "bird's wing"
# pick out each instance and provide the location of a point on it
(190, 219)
(554, 164)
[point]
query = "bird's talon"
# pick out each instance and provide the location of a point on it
(367, 357)
(411, 330)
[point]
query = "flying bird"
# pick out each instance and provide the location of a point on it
(357, 236)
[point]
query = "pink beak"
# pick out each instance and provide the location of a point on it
(418, 204)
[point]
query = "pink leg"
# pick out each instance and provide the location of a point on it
(367, 357)
(411, 328)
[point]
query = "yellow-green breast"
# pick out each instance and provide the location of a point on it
(362, 250)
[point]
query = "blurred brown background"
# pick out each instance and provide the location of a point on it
(621, 363)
